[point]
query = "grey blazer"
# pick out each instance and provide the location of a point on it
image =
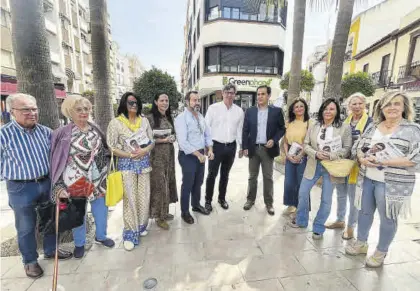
(311, 147)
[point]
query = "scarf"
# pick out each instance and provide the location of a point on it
(133, 127)
(360, 126)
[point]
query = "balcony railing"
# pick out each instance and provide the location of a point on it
(242, 69)
(381, 78)
(411, 70)
(279, 17)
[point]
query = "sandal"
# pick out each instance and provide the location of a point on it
(162, 224)
(348, 234)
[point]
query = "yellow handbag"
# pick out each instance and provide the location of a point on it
(114, 185)
(338, 168)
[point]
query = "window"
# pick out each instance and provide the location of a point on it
(249, 60)
(244, 16)
(366, 68)
(198, 69)
(226, 12)
(6, 58)
(235, 13)
(213, 13)
(5, 18)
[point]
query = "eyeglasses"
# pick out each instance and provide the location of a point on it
(323, 131)
(27, 111)
(230, 93)
(199, 125)
(82, 109)
(132, 103)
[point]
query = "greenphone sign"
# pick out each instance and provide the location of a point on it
(246, 82)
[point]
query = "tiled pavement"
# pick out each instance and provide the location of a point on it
(233, 250)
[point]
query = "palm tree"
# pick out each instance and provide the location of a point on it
(297, 47)
(342, 28)
(100, 59)
(32, 58)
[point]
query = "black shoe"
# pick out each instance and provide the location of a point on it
(270, 210)
(34, 271)
(208, 206)
(248, 205)
(187, 218)
(224, 204)
(201, 209)
(169, 217)
(109, 243)
(79, 252)
(62, 255)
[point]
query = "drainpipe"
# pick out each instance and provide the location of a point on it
(394, 57)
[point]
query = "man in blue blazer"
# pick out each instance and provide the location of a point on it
(263, 128)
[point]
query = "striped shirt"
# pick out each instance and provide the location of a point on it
(24, 154)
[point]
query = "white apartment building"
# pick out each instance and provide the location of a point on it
(316, 63)
(233, 41)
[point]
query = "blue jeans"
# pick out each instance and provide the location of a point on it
(100, 214)
(302, 215)
(373, 197)
(344, 190)
(23, 197)
(292, 179)
(192, 179)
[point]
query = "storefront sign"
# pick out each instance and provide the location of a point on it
(246, 82)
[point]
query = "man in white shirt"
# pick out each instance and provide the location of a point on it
(225, 121)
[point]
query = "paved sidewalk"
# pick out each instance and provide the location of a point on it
(233, 250)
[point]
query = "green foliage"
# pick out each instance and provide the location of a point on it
(307, 81)
(115, 107)
(357, 82)
(146, 109)
(89, 94)
(155, 81)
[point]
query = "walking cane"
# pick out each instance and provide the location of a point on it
(55, 275)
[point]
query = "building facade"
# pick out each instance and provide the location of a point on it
(317, 65)
(387, 48)
(233, 41)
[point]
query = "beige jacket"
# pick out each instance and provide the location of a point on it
(311, 147)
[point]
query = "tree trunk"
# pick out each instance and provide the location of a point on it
(101, 66)
(32, 58)
(335, 71)
(297, 47)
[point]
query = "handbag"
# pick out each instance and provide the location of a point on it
(71, 214)
(114, 185)
(338, 168)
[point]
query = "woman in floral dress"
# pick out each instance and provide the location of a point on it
(134, 162)
(163, 183)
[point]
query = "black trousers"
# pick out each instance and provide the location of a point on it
(224, 156)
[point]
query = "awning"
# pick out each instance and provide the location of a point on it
(8, 88)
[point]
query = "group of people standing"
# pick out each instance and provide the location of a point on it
(40, 164)
(374, 182)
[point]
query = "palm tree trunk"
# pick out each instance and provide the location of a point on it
(32, 58)
(101, 66)
(297, 47)
(335, 71)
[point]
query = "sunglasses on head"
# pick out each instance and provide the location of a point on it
(323, 131)
(132, 103)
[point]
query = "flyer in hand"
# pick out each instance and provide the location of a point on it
(162, 133)
(138, 140)
(295, 149)
(384, 151)
(331, 146)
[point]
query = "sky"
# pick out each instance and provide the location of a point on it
(154, 30)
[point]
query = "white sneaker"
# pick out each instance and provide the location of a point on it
(317, 236)
(128, 245)
(376, 260)
(144, 233)
(357, 248)
(149, 224)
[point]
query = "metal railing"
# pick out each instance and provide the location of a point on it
(412, 69)
(381, 78)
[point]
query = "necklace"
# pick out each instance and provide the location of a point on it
(392, 124)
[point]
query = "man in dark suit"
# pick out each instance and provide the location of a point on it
(263, 127)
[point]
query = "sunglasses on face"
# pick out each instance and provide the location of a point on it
(132, 103)
(82, 110)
